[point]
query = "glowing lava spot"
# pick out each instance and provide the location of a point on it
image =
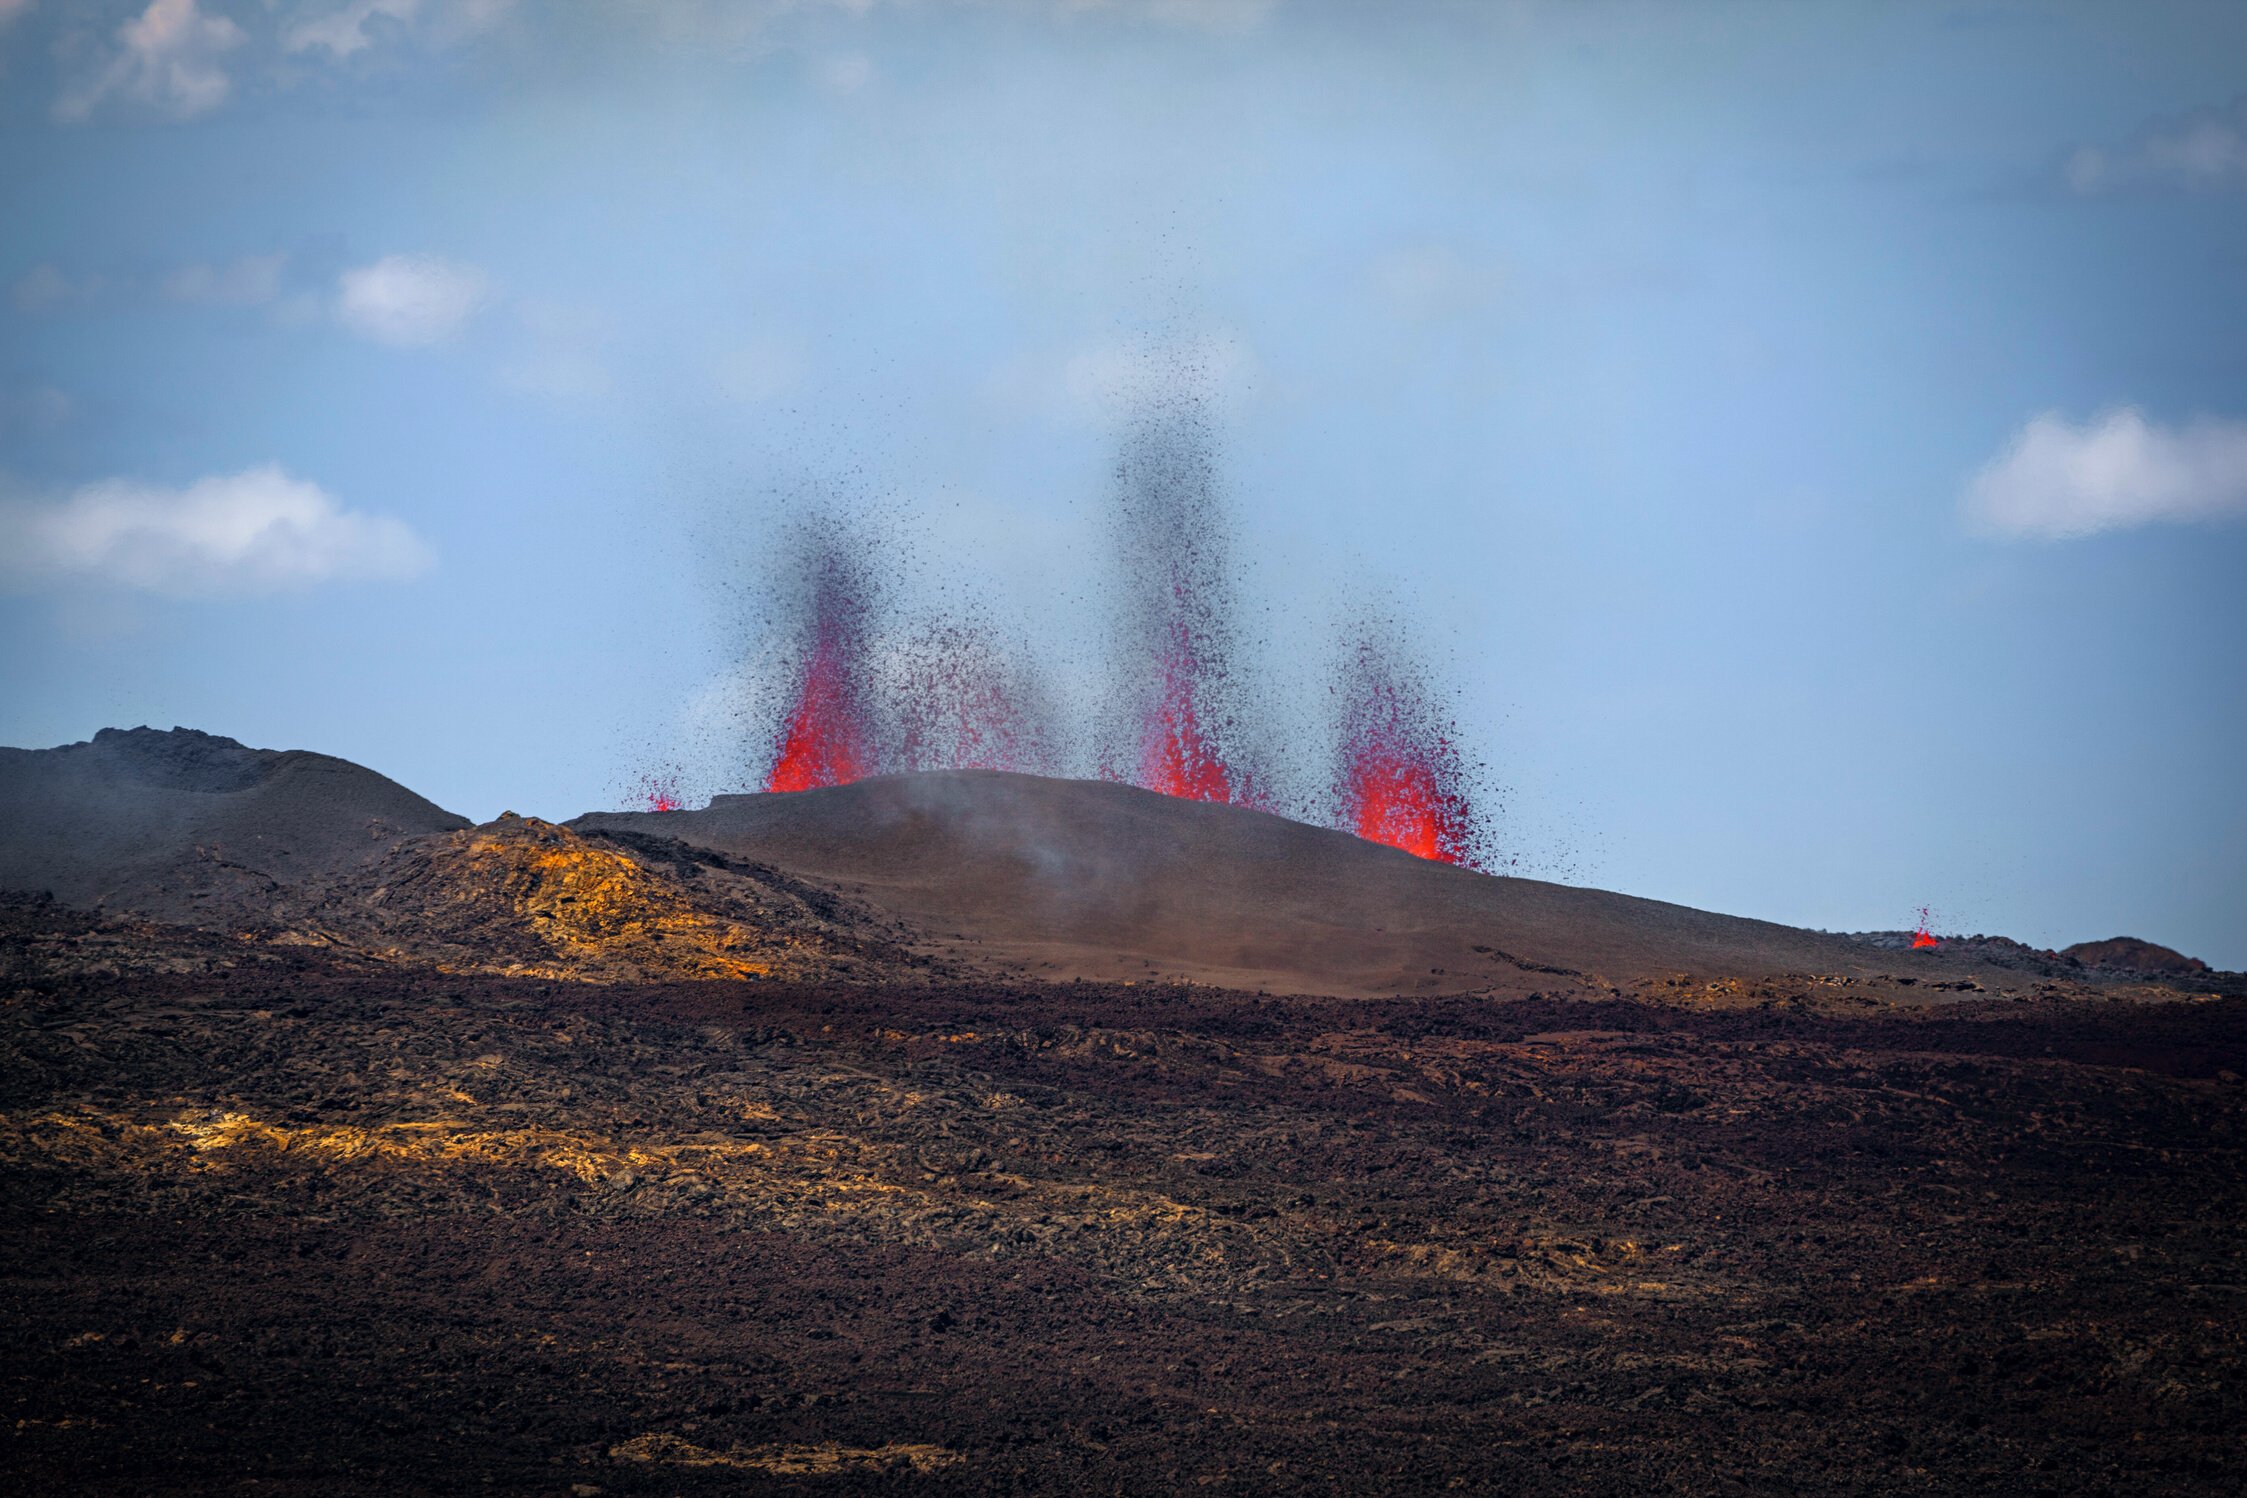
(1922, 936)
(660, 793)
(821, 743)
(1398, 776)
(826, 737)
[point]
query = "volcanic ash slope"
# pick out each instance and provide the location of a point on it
(1073, 878)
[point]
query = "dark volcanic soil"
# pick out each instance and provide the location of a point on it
(280, 1227)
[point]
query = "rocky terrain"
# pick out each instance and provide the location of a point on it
(603, 1160)
(285, 1227)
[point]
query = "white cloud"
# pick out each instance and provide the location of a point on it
(408, 301)
(343, 30)
(2057, 480)
(257, 531)
(168, 58)
(846, 72)
(44, 287)
(745, 23)
(1234, 17)
(248, 282)
(2204, 151)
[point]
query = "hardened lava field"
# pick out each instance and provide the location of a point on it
(278, 1225)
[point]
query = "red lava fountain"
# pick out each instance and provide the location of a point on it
(1921, 935)
(1180, 705)
(1175, 756)
(861, 688)
(661, 793)
(1399, 777)
(820, 744)
(826, 738)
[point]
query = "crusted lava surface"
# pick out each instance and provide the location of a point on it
(279, 1222)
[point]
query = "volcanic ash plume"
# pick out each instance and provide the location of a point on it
(1175, 640)
(1398, 776)
(828, 736)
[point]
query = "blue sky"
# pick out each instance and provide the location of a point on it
(1812, 439)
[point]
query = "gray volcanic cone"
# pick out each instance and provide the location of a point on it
(190, 827)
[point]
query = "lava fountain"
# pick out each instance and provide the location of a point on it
(827, 737)
(1175, 756)
(1398, 776)
(1922, 933)
(1175, 641)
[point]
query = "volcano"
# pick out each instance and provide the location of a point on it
(930, 1130)
(1100, 881)
(191, 827)
(1013, 875)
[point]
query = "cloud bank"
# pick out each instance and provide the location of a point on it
(2056, 480)
(257, 531)
(168, 58)
(409, 301)
(45, 287)
(2204, 151)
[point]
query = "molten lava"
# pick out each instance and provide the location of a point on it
(827, 736)
(1400, 803)
(823, 742)
(661, 793)
(1922, 936)
(1175, 756)
(1399, 780)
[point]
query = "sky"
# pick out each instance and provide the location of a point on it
(1810, 441)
